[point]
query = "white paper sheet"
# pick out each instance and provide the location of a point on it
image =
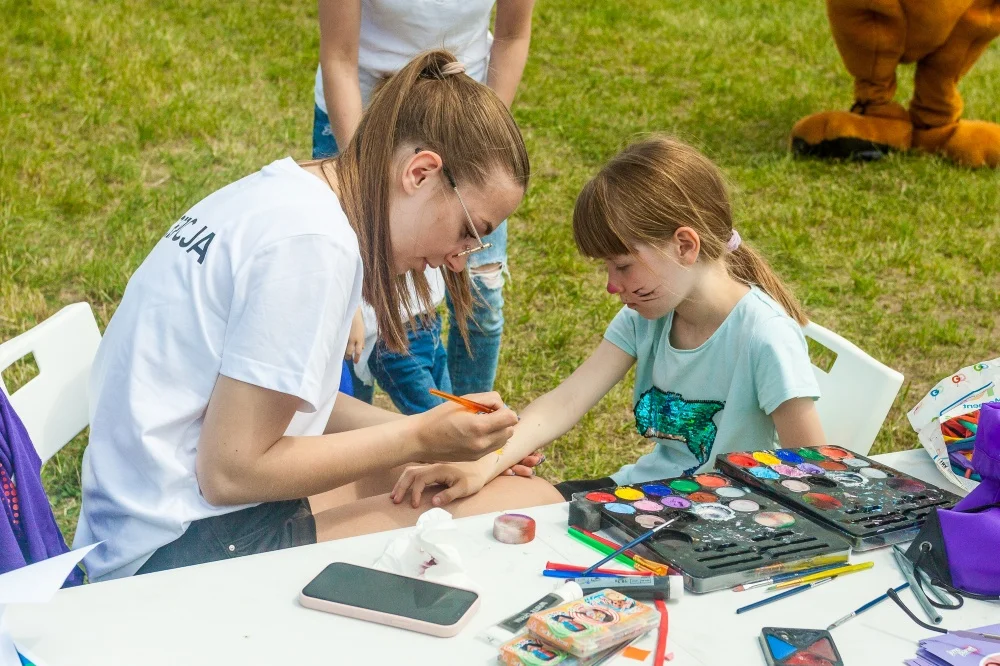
(34, 584)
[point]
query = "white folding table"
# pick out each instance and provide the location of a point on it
(244, 611)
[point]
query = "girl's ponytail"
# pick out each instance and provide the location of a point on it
(746, 265)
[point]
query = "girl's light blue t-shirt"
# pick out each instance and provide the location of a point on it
(717, 398)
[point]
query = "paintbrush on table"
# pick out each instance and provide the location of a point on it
(786, 593)
(874, 602)
(633, 543)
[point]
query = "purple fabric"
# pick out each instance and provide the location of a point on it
(30, 533)
(986, 459)
(972, 540)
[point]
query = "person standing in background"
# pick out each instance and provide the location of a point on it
(364, 41)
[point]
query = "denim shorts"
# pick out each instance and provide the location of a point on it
(257, 529)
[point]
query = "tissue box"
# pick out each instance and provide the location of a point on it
(593, 624)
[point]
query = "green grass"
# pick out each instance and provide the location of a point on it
(117, 116)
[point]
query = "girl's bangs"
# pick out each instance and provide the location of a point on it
(596, 224)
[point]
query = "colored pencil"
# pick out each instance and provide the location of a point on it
(873, 602)
(634, 542)
(661, 636)
(600, 547)
(471, 405)
(641, 563)
(840, 571)
(781, 578)
(559, 566)
(783, 595)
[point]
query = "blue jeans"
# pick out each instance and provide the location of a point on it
(473, 370)
(407, 378)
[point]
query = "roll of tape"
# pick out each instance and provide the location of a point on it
(513, 528)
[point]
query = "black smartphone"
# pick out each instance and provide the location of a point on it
(392, 599)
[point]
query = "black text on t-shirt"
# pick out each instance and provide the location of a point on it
(198, 242)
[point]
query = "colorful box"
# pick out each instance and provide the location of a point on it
(593, 624)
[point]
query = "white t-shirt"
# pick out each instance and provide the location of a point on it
(257, 282)
(717, 398)
(393, 32)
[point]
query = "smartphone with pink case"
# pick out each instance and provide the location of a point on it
(387, 598)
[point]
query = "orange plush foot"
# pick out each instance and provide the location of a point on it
(971, 143)
(867, 135)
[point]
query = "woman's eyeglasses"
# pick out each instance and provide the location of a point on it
(468, 218)
(482, 246)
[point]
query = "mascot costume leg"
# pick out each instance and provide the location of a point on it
(945, 38)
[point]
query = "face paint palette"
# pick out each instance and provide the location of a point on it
(727, 533)
(871, 504)
(799, 647)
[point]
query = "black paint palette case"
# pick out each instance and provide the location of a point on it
(870, 504)
(722, 533)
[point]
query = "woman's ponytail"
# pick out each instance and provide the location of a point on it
(433, 104)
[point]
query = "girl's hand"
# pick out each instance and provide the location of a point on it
(451, 433)
(356, 338)
(461, 479)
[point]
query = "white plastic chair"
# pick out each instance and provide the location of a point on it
(856, 394)
(53, 405)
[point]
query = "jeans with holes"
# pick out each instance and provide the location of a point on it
(473, 370)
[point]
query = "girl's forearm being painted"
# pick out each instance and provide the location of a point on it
(542, 422)
(555, 413)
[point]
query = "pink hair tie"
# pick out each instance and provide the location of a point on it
(453, 68)
(734, 241)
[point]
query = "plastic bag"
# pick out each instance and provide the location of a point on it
(947, 418)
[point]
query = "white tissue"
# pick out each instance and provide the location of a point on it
(425, 552)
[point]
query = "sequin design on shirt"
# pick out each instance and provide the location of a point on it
(667, 415)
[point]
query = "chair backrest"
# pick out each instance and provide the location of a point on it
(53, 405)
(856, 393)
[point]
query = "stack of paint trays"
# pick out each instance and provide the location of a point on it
(870, 504)
(725, 534)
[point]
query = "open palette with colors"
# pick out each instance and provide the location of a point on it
(870, 504)
(726, 534)
(799, 647)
